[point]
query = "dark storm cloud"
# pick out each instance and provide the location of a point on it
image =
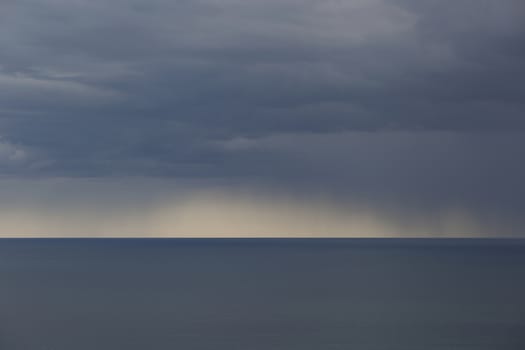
(96, 88)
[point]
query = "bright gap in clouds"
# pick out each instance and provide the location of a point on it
(158, 208)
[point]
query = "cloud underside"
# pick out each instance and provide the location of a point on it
(146, 88)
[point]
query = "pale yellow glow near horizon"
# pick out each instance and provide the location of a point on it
(226, 214)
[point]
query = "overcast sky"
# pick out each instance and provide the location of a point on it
(274, 117)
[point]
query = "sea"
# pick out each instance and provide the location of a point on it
(262, 294)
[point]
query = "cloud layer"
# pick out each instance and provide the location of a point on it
(417, 103)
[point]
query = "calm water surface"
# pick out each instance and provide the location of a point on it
(262, 294)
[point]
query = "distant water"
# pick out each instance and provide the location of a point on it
(271, 294)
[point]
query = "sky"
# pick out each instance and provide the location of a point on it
(355, 118)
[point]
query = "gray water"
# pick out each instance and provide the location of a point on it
(262, 294)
